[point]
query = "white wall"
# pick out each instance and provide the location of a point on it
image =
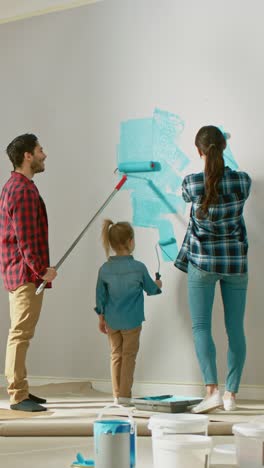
(71, 78)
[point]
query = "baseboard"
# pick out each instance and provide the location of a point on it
(45, 380)
(246, 392)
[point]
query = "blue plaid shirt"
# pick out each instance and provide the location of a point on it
(217, 243)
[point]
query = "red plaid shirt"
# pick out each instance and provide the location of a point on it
(24, 249)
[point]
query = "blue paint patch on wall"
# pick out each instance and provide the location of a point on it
(153, 193)
(228, 155)
(229, 158)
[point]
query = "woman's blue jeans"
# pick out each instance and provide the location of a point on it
(201, 290)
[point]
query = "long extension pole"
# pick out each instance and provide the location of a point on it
(67, 253)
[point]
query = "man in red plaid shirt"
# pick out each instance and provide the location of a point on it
(24, 262)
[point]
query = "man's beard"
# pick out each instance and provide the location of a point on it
(37, 167)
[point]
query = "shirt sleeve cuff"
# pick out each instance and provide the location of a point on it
(42, 272)
(158, 291)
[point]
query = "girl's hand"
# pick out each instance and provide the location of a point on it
(102, 324)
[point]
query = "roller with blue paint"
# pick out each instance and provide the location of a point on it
(162, 243)
(139, 166)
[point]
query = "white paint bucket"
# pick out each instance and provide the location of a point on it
(179, 423)
(181, 451)
(165, 425)
(114, 442)
(249, 439)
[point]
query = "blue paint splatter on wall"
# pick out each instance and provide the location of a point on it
(228, 155)
(229, 159)
(154, 194)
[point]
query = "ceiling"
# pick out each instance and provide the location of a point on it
(13, 10)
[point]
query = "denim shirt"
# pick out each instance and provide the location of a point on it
(119, 292)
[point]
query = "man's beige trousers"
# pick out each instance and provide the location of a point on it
(124, 348)
(25, 308)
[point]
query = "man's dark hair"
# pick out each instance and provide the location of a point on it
(19, 146)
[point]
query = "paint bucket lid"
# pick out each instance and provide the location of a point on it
(111, 426)
(184, 441)
(179, 422)
(255, 430)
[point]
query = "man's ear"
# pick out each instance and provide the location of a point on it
(27, 156)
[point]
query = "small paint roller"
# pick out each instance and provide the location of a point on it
(162, 244)
(67, 253)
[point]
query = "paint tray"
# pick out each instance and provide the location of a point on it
(165, 403)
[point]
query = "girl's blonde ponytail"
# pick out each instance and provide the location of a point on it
(107, 223)
(116, 235)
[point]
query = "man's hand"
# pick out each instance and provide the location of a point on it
(50, 275)
(158, 283)
(102, 324)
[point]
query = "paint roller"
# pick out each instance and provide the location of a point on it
(67, 253)
(139, 166)
(163, 243)
(127, 167)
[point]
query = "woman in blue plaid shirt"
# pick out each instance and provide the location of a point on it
(215, 249)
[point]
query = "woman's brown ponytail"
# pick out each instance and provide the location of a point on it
(211, 142)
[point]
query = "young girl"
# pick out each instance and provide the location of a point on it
(215, 249)
(120, 304)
